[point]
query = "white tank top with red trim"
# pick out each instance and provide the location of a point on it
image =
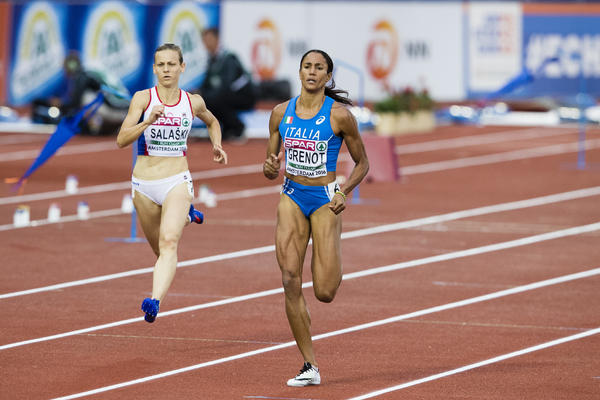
(167, 136)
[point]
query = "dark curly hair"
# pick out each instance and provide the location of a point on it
(330, 89)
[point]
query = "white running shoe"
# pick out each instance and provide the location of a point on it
(308, 375)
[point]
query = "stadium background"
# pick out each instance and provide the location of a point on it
(473, 275)
(456, 50)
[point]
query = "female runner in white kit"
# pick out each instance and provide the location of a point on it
(160, 119)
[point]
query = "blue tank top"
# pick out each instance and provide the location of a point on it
(311, 147)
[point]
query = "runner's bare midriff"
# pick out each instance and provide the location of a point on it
(321, 181)
(152, 167)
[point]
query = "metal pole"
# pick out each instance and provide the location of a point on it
(133, 229)
(580, 100)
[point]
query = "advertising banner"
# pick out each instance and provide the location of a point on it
(561, 46)
(181, 23)
(38, 50)
(114, 38)
(268, 37)
(383, 44)
(113, 41)
(396, 45)
(494, 44)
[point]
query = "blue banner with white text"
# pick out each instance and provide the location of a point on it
(572, 42)
(114, 38)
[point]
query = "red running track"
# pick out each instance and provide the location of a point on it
(427, 291)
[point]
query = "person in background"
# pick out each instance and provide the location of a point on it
(311, 128)
(82, 86)
(160, 119)
(227, 88)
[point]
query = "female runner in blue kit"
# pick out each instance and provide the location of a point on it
(160, 119)
(311, 128)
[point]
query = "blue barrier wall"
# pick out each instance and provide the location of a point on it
(117, 38)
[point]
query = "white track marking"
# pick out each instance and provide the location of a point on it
(108, 187)
(533, 202)
(240, 194)
(19, 139)
(67, 218)
(498, 157)
(216, 173)
(248, 169)
(28, 128)
(371, 271)
(65, 150)
(361, 327)
(488, 138)
(479, 139)
(256, 168)
(480, 363)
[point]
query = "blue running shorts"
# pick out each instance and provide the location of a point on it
(309, 198)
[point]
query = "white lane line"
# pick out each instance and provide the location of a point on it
(480, 363)
(495, 137)
(108, 187)
(515, 205)
(359, 274)
(240, 194)
(249, 169)
(361, 327)
(498, 157)
(479, 139)
(65, 150)
(19, 139)
(66, 218)
(246, 169)
(28, 128)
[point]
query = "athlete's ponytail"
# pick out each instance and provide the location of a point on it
(330, 89)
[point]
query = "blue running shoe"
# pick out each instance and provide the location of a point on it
(150, 307)
(195, 215)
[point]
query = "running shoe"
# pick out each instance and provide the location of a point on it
(150, 307)
(195, 215)
(308, 375)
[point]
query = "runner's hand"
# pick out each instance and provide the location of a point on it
(219, 155)
(337, 204)
(272, 165)
(157, 111)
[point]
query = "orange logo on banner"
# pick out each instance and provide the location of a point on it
(382, 51)
(266, 50)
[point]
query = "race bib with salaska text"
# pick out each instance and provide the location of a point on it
(168, 135)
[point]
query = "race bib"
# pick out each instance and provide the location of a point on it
(168, 135)
(306, 157)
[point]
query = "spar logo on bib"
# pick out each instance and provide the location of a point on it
(309, 145)
(299, 144)
(169, 121)
(185, 122)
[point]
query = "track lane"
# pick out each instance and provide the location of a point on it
(272, 365)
